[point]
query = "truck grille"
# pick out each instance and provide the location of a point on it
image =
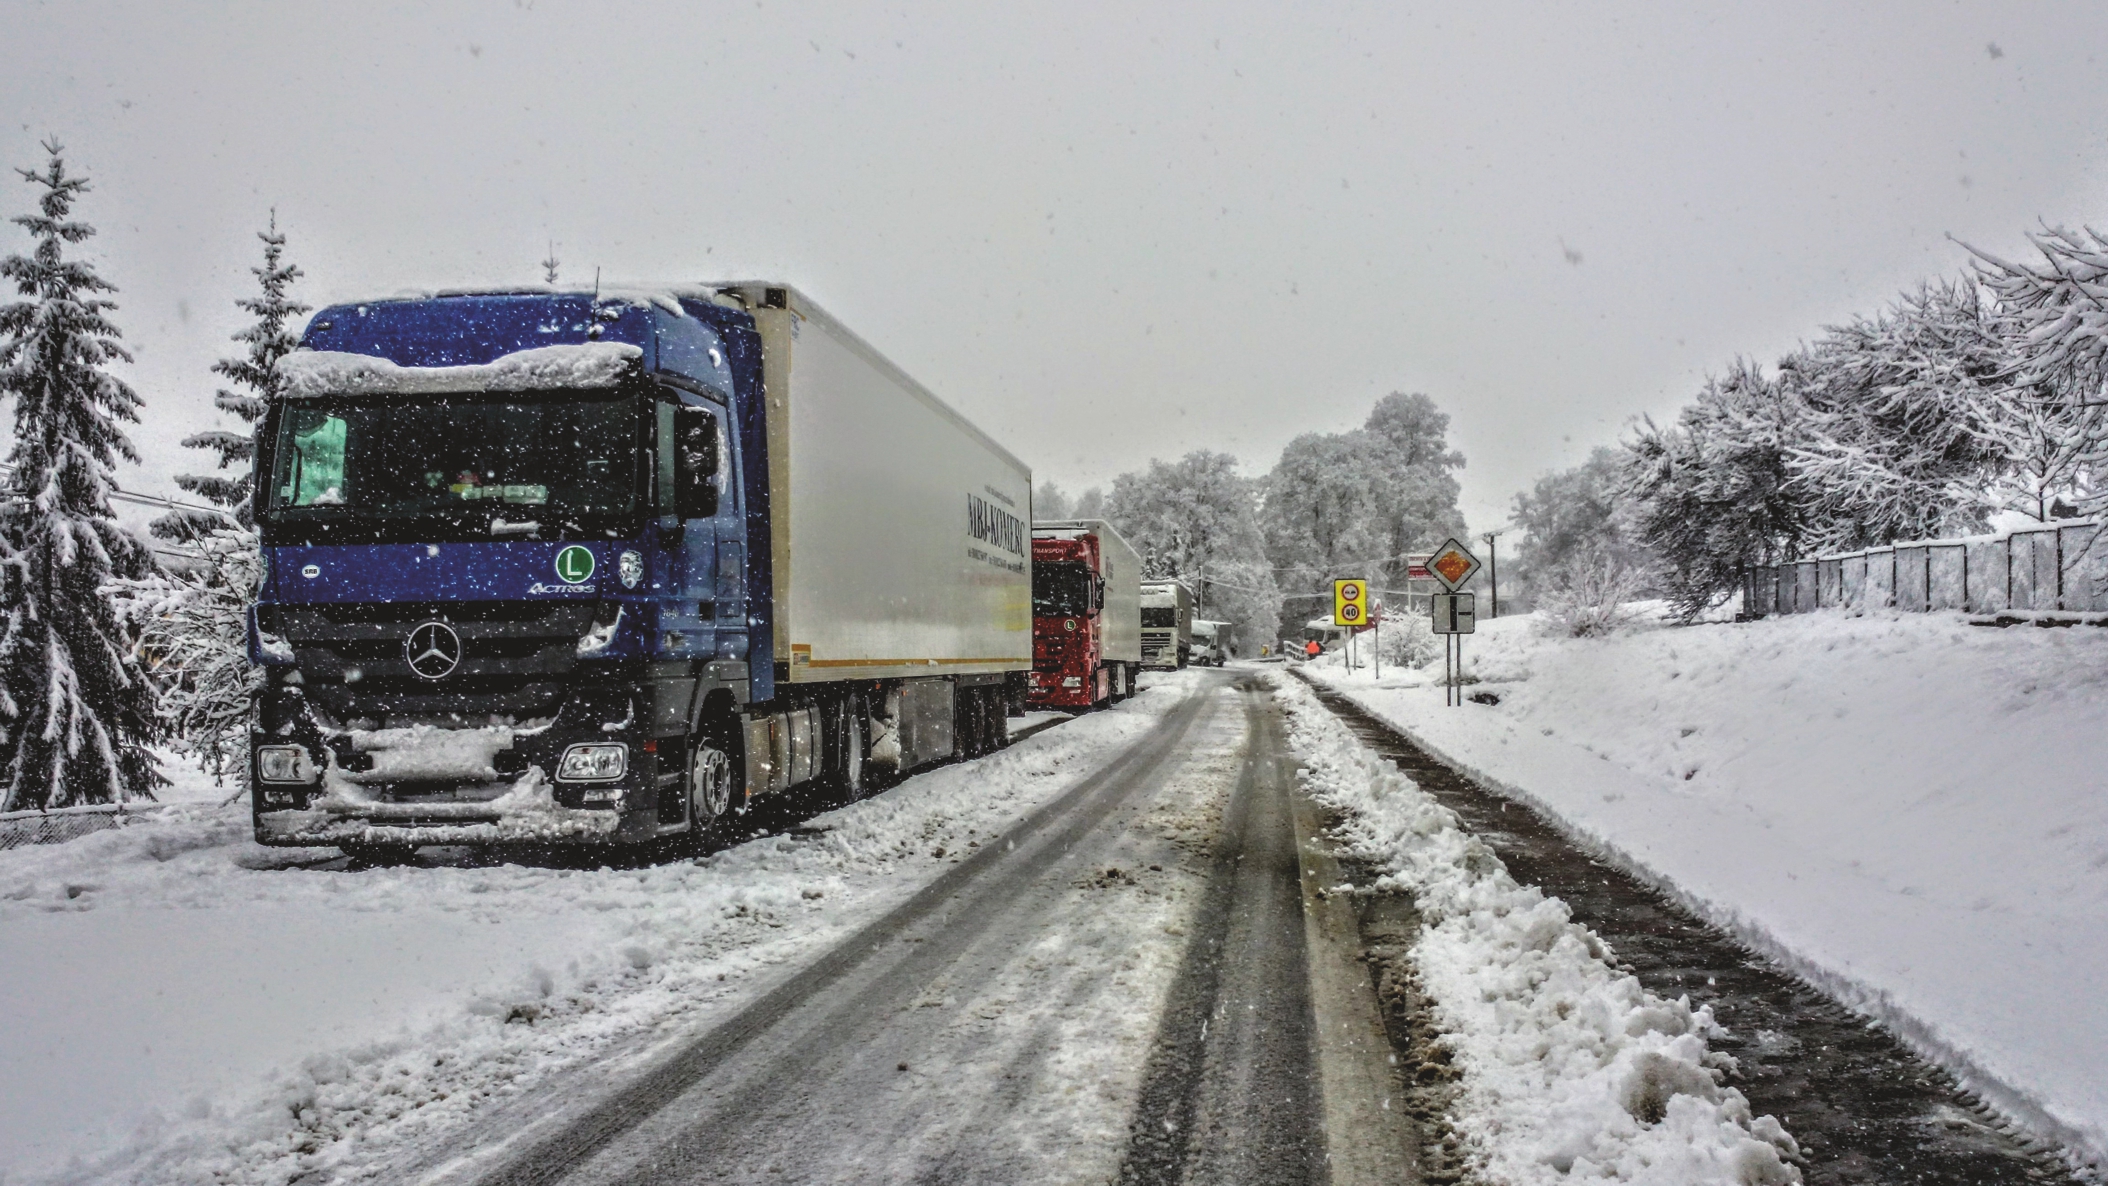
(514, 658)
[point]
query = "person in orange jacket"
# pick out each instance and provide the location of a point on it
(1311, 649)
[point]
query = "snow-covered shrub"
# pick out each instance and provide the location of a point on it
(1589, 595)
(1408, 640)
(193, 635)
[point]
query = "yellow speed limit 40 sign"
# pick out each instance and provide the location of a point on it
(1350, 602)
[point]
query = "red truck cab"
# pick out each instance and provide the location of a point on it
(1068, 605)
(1086, 615)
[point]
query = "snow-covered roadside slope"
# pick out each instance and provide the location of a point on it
(1570, 1070)
(1908, 809)
(179, 1011)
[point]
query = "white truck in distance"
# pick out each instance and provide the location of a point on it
(1167, 625)
(1211, 642)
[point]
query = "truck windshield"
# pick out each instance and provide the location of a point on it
(1160, 615)
(569, 454)
(1061, 590)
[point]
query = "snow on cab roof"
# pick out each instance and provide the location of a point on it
(312, 373)
(665, 296)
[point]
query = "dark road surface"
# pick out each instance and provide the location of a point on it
(1230, 1094)
(1863, 1107)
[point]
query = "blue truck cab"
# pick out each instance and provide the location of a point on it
(511, 584)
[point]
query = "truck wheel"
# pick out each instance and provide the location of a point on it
(998, 722)
(709, 788)
(851, 733)
(972, 708)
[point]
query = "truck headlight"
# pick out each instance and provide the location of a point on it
(593, 763)
(630, 567)
(284, 763)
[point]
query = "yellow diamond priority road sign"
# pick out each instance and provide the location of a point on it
(1452, 565)
(1350, 603)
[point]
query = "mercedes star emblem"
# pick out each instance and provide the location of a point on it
(434, 650)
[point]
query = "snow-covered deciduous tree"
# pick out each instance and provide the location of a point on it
(2055, 318)
(192, 628)
(77, 712)
(1894, 411)
(1355, 504)
(1714, 487)
(254, 381)
(1197, 520)
(1049, 502)
(1584, 510)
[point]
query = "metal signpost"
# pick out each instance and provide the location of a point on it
(1350, 608)
(1454, 613)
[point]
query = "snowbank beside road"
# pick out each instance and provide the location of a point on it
(1906, 808)
(1570, 1069)
(184, 1008)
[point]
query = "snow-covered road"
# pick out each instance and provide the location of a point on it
(187, 1007)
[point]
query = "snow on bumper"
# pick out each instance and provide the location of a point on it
(347, 813)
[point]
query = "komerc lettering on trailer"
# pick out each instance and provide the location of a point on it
(994, 525)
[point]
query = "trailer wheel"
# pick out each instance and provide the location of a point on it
(969, 727)
(709, 787)
(848, 735)
(998, 721)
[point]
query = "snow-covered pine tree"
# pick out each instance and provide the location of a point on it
(254, 382)
(76, 710)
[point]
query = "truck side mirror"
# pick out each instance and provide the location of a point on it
(695, 463)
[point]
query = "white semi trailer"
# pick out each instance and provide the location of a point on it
(700, 544)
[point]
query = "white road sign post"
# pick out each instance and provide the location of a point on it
(1454, 613)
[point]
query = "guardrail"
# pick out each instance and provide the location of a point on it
(2059, 568)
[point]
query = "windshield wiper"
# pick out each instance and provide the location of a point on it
(524, 527)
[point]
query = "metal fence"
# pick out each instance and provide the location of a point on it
(22, 828)
(2055, 568)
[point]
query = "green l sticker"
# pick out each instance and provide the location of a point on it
(574, 565)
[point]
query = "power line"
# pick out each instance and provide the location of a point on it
(153, 500)
(122, 495)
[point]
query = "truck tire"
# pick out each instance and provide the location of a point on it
(709, 787)
(848, 736)
(998, 721)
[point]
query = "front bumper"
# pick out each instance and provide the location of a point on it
(1044, 689)
(428, 784)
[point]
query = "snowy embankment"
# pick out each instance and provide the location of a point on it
(1570, 1070)
(185, 1006)
(1905, 808)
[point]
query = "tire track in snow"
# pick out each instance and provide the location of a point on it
(717, 1108)
(1231, 1093)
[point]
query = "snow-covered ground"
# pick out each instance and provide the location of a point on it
(1570, 1069)
(1907, 808)
(182, 999)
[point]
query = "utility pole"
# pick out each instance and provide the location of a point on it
(1493, 567)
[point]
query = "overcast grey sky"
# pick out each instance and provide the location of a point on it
(1104, 232)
